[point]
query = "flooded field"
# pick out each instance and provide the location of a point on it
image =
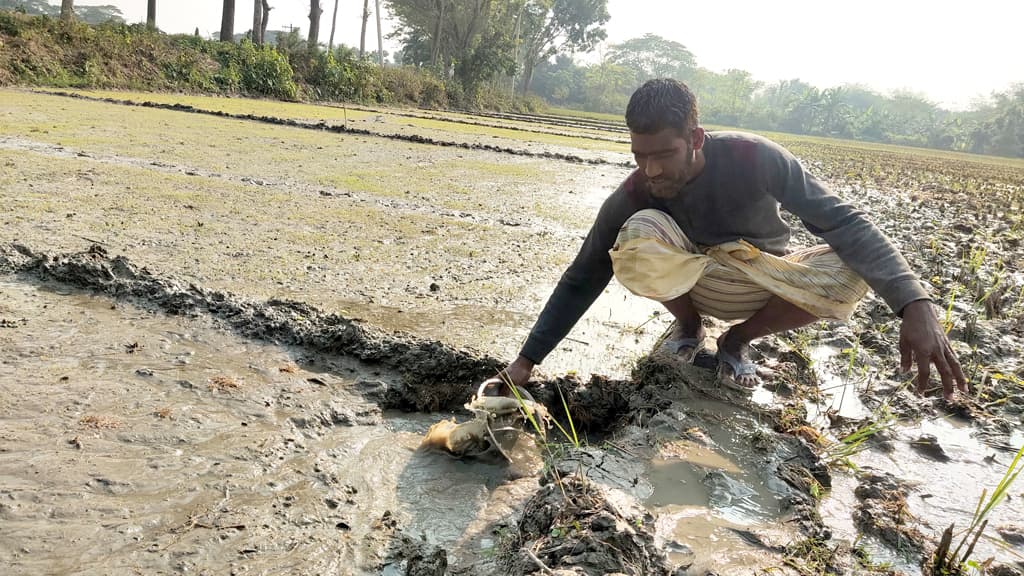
(222, 339)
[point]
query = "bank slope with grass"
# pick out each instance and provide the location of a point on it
(43, 51)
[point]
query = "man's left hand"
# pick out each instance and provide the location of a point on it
(922, 340)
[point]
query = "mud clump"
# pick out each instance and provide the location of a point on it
(883, 511)
(573, 526)
(416, 558)
(928, 445)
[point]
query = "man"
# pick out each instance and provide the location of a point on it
(697, 227)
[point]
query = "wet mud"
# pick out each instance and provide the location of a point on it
(313, 394)
(267, 434)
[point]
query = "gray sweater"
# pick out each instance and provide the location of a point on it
(745, 181)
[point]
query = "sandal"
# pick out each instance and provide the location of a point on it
(739, 368)
(686, 349)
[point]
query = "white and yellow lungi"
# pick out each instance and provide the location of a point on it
(654, 259)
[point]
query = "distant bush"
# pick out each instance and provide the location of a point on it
(43, 51)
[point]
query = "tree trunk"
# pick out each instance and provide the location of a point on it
(334, 24)
(67, 10)
(151, 15)
(266, 18)
(257, 22)
(380, 40)
(435, 50)
(362, 34)
(314, 24)
(528, 66)
(227, 22)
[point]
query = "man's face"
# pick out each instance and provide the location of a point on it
(667, 159)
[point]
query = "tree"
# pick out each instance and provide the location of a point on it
(554, 26)
(560, 82)
(380, 39)
(314, 24)
(227, 22)
(606, 87)
(362, 33)
(151, 14)
(1005, 126)
(334, 24)
(440, 33)
(652, 56)
(266, 18)
(67, 10)
(257, 22)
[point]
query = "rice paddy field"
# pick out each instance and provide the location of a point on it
(226, 324)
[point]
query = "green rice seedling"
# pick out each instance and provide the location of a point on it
(639, 329)
(572, 437)
(853, 443)
(948, 322)
(946, 563)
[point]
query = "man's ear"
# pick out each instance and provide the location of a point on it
(698, 138)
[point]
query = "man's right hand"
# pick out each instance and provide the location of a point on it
(518, 373)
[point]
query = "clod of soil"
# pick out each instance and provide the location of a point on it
(582, 528)
(928, 445)
(883, 511)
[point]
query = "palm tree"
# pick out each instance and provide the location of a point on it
(334, 23)
(362, 35)
(67, 10)
(314, 24)
(227, 22)
(266, 18)
(380, 41)
(257, 22)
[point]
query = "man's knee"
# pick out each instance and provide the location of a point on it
(656, 224)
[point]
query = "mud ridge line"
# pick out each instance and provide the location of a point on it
(555, 120)
(549, 119)
(511, 118)
(341, 129)
(400, 205)
(434, 375)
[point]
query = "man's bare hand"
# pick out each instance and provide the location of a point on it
(922, 340)
(518, 373)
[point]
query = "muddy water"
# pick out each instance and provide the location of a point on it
(943, 488)
(131, 441)
(710, 495)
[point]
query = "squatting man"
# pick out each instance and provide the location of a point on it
(697, 227)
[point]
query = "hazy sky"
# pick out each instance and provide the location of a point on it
(950, 51)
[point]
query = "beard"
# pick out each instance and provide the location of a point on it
(668, 187)
(665, 188)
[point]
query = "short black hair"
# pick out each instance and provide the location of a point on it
(659, 104)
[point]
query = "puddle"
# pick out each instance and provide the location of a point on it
(940, 492)
(837, 384)
(712, 492)
(134, 440)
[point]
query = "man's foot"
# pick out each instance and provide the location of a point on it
(735, 368)
(683, 346)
